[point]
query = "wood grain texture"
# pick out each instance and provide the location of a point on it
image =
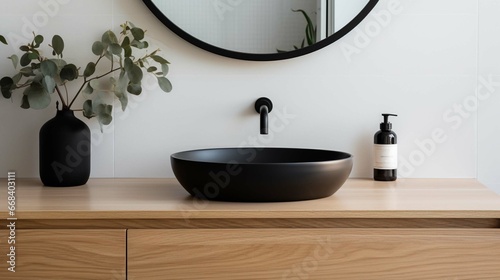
(116, 199)
(314, 254)
(67, 254)
(257, 223)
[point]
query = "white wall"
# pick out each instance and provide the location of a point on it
(421, 63)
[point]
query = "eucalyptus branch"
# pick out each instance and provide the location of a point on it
(85, 81)
(60, 97)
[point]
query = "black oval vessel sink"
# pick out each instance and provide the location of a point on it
(261, 174)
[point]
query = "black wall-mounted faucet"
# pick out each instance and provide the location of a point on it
(264, 106)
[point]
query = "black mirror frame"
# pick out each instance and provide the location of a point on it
(261, 57)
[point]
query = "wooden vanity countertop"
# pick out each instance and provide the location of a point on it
(124, 199)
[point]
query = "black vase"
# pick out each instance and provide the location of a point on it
(64, 151)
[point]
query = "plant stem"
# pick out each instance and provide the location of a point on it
(60, 97)
(85, 81)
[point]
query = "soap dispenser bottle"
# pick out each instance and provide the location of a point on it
(385, 152)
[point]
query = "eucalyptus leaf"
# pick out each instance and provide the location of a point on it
(33, 56)
(89, 70)
(164, 69)
(122, 97)
(25, 59)
(38, 40)
(24, 48)
(134, 89)
(16, 78)
(115, 49)
(15, 60)
(135, 74)
(88, 89)
(48, 68)
(109, 38)
(159, 59)
(6, 84)
(49, 84)
(25, 103)
(152, 69)
(57, 44)
(38, 97)
(2, 39)
(128, 64)
(87, 109)
(164, 84)
(104, 114)
(137, 33)
(69, 72)
(60, 63)
(27, 72)
(98, 48)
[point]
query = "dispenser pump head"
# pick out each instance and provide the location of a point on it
(386, 125)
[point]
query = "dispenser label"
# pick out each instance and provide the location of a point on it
(385, 156)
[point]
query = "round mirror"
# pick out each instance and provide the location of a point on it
(261, 30)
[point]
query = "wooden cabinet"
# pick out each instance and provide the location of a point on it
(67, 254)
(234, 254)
(152, 229)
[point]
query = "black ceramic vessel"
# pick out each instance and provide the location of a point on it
(261, 174)
(64, 151)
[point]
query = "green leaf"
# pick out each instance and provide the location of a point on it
(137, 33)
(109, 38)
(135, 74)
(38, 97)
(25, 103)
(15, 60)
(126, 47)
(57, 44)
(33, 56)
(69, 72)
(24, 48)
(134, 89)
(139, 45)
(152, 69)
(88, 89)
(25, 59)
(128, 64)
(49, 84)
(38, 40)
(27, 71)
(87, 109)
(164, 69)
(60, 63)
(104, 113)
(115, 49)
(159, 59)
(2, 39)
(98, 48)
(89, 70)
(165, 84)
(16, 78)
(6, 84)
(48, 68)
(122, 96)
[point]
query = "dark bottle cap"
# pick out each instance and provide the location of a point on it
(386, 125)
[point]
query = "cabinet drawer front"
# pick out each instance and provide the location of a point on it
(66, 254)
(314, 254)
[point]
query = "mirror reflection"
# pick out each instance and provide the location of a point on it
(260, 26)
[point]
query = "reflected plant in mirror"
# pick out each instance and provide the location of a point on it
(257, 29)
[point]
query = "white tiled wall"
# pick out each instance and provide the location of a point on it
(422, 61)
